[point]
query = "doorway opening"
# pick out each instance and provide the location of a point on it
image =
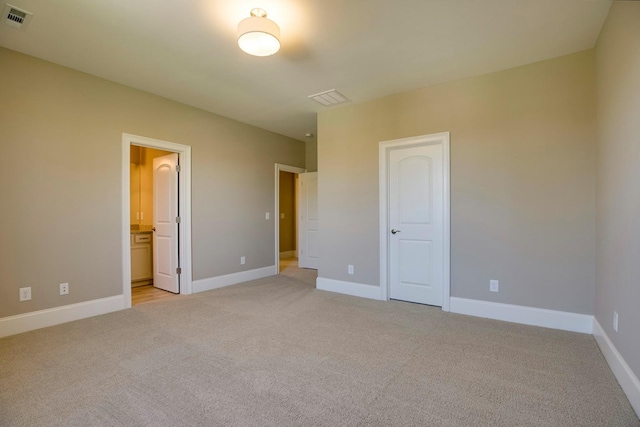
(156, 232)
(287, 189)
(144, 245)
(287, 219)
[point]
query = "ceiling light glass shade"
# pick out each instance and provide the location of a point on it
(258, 35)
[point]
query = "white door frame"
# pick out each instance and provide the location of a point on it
(276, 211)
(184, 206)
(385, 148)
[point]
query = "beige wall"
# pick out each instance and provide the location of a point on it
(134, 193)
(287, 207)
(522, 181)
(618, 214)
(62, 131)
(312, 156)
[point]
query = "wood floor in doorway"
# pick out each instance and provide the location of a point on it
(288, 263)
(148, 293)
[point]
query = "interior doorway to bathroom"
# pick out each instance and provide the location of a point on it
(156, 219)
(152, 169)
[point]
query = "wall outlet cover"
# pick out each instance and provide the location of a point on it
(25, 294)
(64, 289)
(494, 285)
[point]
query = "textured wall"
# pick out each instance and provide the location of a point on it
(312, 156)
(287, 207)
(61, 217)
(522, 181)
(618, 214)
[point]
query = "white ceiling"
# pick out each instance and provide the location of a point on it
(186, 50)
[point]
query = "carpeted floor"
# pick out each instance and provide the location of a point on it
(277, 352)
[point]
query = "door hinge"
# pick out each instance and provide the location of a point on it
(177, 168)
(178, 219)
(179, 270)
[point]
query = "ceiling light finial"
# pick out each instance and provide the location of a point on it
(258, 35)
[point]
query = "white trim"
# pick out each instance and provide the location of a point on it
(348, 288)
(563, 320)
(54, 316)
(383, 173)
(184, 208)
(211, 283)
(623, 373)
(276, 210)
(288, 254)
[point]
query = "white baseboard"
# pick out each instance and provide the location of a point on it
(53, 316)
(348, 288)
(287, 254)
(211, 283)
(623, 373)
(563, 320)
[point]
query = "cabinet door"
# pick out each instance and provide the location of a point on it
(141, 262)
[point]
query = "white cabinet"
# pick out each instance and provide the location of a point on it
(141, 259)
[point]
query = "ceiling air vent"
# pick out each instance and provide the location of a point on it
(16, 17)
(329, 98)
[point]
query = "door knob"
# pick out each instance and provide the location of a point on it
(394, 231)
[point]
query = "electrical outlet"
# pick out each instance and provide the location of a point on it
(281, 216)
(615, 321)
(25, 294)
(242, 260)
(350, 269)
(266, 215)
(64, 289)
(494, 285)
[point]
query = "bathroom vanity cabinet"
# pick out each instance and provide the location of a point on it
(141, 259)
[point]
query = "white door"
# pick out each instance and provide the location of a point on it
(416, 224)
(308, 211)
(165, 214)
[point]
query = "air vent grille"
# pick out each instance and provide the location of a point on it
(329, 98)
(16, 17)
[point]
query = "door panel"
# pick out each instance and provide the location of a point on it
(415, 262)
(416, 213)
(308, 211)
(165, 212)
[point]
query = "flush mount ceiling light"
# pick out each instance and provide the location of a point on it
(258, 35)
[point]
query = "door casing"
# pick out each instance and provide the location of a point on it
(384, 149)
(184, 206)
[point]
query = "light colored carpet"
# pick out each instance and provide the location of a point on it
(277, 352)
